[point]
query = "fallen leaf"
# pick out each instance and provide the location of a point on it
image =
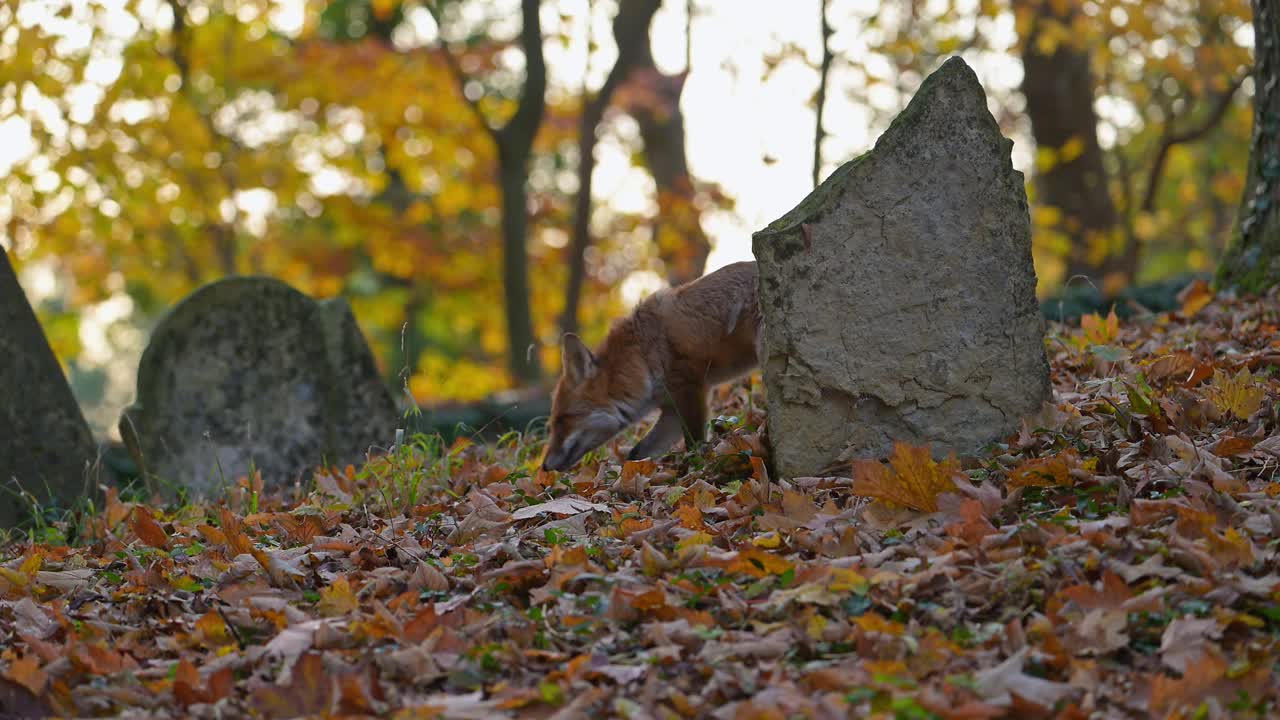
(999, 684)
(1186, 639)
(1236, 394)
(913, 479)
(1052, 471)
(1195, 297)
(26, 671)
(147, 529)
(559, 506)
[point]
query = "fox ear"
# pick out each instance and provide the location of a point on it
(579, 363)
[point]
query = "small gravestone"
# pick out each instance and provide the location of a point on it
(248, 373)
(46, 449)
(899, 296)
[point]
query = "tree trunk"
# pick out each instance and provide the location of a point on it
(630, 32)
(523, 361)
(515, 145)
(662, 130)
(1252, 263)
(819, 134)
(1059, 89)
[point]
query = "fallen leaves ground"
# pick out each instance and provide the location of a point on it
(1115, 558)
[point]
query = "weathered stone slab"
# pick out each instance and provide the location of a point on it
(899, 297)
(46, 448)
(248, 372)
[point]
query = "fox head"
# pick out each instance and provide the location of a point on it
(583, 414)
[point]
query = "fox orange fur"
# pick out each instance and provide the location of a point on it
(666, 354)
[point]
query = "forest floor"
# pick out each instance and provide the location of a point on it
(1115, 558)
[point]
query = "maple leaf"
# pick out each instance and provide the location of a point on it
(913, 479)
(973, 525)
(339, 598)
(1000, 684)
(213, 630)
(26, 671)
(189, 689)
(1207, 675)
(1237, 395)
(1096, 331)
(1185, 639)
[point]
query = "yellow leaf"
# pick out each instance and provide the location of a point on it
(1046, 216)
(213, 629)
(1238, 395)
(1072, 149)
(1046, 43)
(698, 538)
(339, 598)
(874, 622)
(1098, 331)
(1145, 226)
(1052, 471)
(1195, 297)
(913, 479)
(768, 540)
(758, 563)
(846, 580)
(814, 627)
(1046, 159)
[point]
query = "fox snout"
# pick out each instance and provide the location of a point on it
(558, 459)
(566, 447)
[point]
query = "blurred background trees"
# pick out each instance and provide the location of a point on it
(425, 159)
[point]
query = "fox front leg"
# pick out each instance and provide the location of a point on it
(661, 436)
(684, 414)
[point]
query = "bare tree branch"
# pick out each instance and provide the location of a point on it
(460, 78)
(1171, 139)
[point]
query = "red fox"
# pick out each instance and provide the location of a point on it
(666, 354)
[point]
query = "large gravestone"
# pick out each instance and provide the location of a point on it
(250, 373)
(899, 297)
(46, 448)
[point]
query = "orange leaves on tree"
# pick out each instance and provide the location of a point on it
(912, 479)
